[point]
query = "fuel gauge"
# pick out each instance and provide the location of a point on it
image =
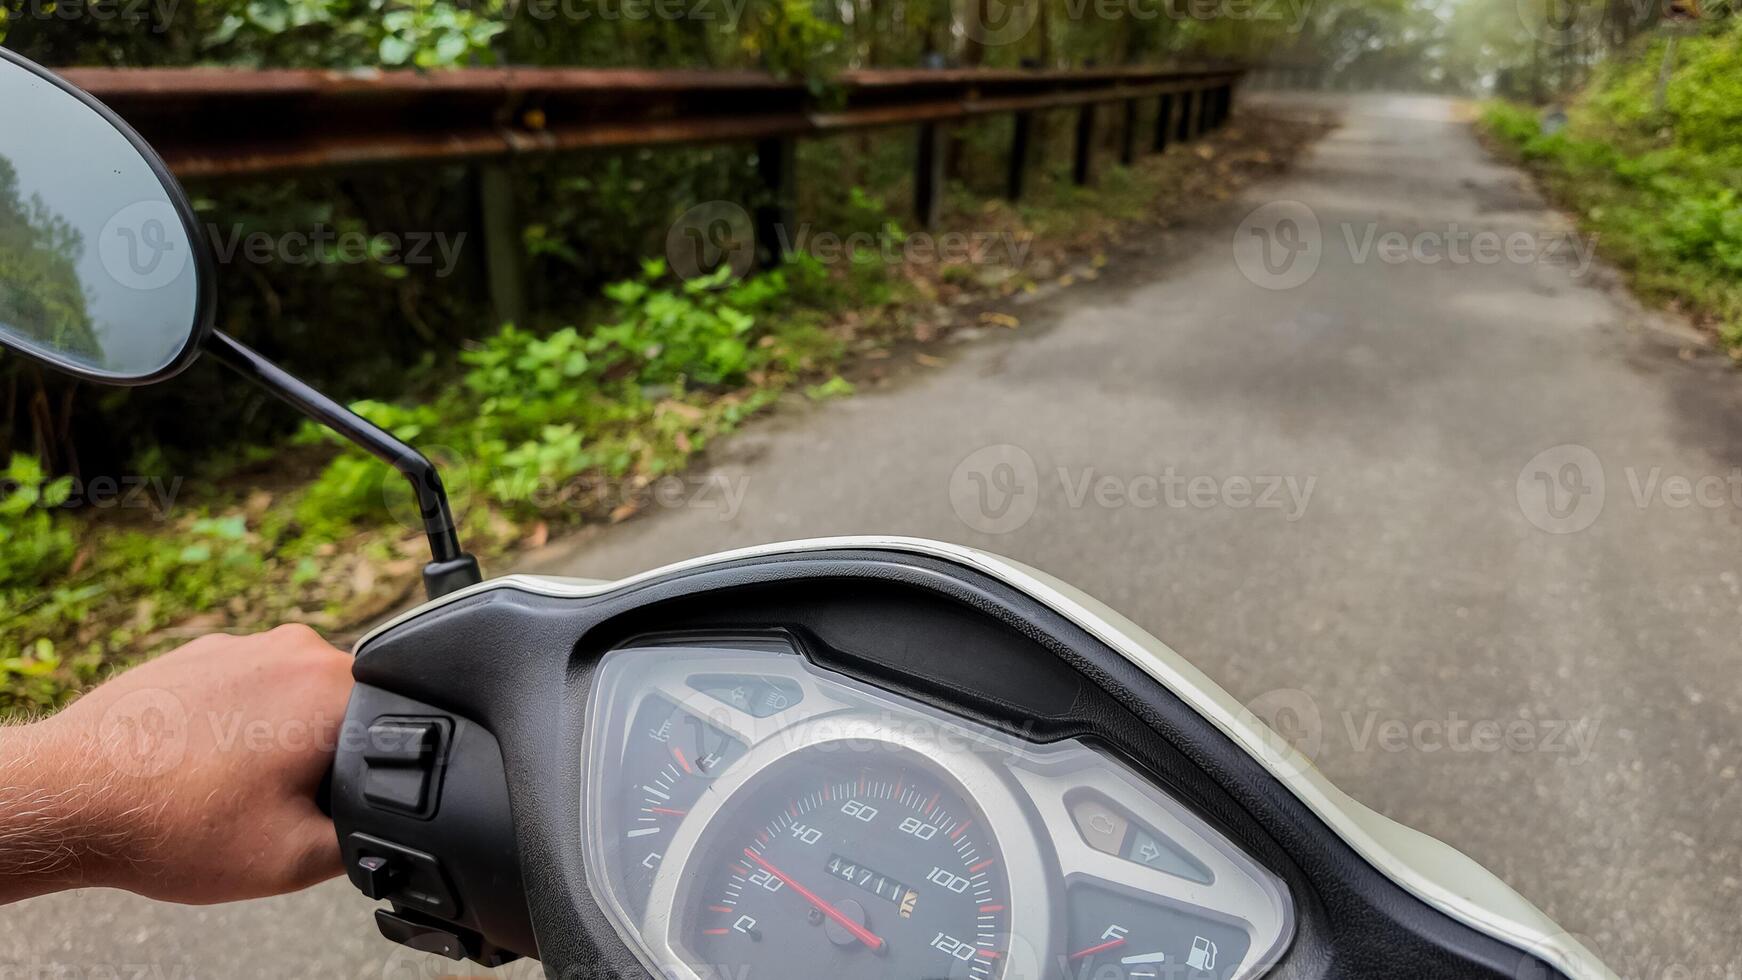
(1115, 936)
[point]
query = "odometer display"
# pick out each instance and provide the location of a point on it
(835, 865)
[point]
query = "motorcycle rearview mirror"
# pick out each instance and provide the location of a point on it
(104, 275)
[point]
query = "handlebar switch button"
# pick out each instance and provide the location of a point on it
(429, 935)
(402, 762)
(410, 878)
(378, 878)
(422, 935)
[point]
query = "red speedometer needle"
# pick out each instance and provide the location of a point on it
(1102, 948)
(859, 932)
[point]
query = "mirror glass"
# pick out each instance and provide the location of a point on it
(97, 272)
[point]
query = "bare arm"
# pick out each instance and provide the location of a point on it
(191, 778)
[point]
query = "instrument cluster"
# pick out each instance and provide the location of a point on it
(751, 815)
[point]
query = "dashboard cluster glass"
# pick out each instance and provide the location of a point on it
(751, 816)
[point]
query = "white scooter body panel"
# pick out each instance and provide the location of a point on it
(1431, 870)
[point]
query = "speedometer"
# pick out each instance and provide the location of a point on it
(830, 831)
(853, 867)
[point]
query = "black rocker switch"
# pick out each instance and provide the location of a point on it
(401, 763)
(379, 877)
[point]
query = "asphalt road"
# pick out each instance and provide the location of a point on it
(1454, 499)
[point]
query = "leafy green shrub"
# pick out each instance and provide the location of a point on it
(1661, 188)
(1707, 230)
(663, 336)
(534, 412)
(34, 545)
(1511, 122)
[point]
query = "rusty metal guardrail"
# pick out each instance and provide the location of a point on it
(217, 122)
(212, 123)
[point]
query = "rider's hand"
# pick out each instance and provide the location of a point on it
(191, 778)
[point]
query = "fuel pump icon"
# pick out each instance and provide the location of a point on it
(1203, 954)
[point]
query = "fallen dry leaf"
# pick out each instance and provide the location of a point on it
(363, 578)
(201, 621)
(1000, 320)
(256, 504)
(682, 410)
(927, 360)
(540, 535)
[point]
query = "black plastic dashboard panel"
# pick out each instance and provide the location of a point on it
(517, 666)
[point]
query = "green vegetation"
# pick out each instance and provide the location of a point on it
(1660, 186)
(537, 431)
(536, 422)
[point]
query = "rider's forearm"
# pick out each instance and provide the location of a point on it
(145, 783)
(56, 829)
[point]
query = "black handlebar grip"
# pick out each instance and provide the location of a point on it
(324, 793)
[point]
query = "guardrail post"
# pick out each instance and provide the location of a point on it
(777, 165)
(1128, 138)
(1019, 138)
(928, 178)
(503, 266)
(1163, 121)
(1191, 115)
(1082, 171)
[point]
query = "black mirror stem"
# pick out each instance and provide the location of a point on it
(450, 568)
